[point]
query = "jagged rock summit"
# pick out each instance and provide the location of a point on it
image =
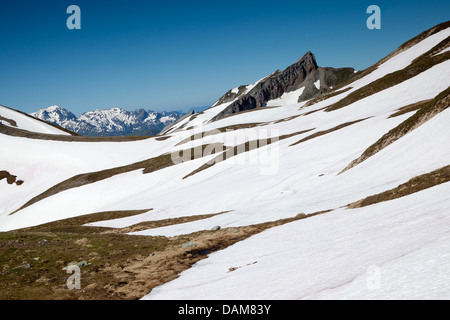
(304, 74)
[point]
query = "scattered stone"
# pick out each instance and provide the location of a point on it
(91, 286)
(188, 245)
(233, 230)
(24, 266)
(68, 266)
(83, 263)
(216, 228)
(80, 264)
(233, 269)
(37, 259)
(93, 254)
(83, 242)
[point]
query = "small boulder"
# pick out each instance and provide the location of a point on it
(188, 245)
(80, 264)
(83, 263)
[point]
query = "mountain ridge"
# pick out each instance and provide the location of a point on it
(109, 122)
(304, 73)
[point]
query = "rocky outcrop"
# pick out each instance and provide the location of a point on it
(230, 95)
(273, 86)
(303, 73)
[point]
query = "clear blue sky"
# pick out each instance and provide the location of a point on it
(170, 55)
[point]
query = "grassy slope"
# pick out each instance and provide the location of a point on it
(120, 266)
(414, 185)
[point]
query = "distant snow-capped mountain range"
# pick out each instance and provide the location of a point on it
(109, 122)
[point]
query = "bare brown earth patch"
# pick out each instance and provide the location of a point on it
(10, 121)
(410, 108)
(314, 111)
(162, 138)
(414, 185)
(288, 118)
(424, 35)
(118, 266)
(428, 109)
(321, 133)
(336, 91)
(10, 179)
(146, 225)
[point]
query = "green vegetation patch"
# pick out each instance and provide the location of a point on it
(32, 262)
(113, 266)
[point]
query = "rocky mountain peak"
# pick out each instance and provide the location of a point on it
(305, 72)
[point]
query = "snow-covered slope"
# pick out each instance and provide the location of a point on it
(109, 122)
(382, 250)
(19, 120)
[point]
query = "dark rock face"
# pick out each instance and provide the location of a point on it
(274, 86)
(230, 96)
(303, 73)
